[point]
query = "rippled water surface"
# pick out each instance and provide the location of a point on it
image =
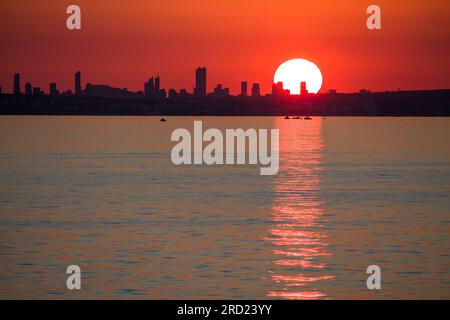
(102, 193)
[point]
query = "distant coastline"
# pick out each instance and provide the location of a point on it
(365, 103)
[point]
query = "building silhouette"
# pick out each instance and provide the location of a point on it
(256, 91)
(183, 93)
(78, 83)
(244, 88)
(149, 88)
(28, 89)
(157, 87)
(52, 89)
(220, 92)
(37, 91)
(303, 90)
(152, 88)
(200, 82)
(16, 83)
(173, 93)
(277, 89)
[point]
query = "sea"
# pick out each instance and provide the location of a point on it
(101, 193)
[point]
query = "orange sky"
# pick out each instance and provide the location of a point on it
(123, 43)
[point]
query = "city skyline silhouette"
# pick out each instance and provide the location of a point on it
(153, 99)
(152, 88)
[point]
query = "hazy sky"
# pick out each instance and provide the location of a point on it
(123, 43)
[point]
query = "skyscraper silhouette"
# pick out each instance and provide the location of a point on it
(200, 82)
(157, 84)
(277, 88)
(158, 91)
(256, 90)
(52, 89)
(16, 83)
(244, 88)
(220, 92)
(303, 90)
(149, 88)
(28, 89)
(37, 91)
(78, 83)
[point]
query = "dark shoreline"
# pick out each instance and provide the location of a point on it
(222, 115)
(400, 103)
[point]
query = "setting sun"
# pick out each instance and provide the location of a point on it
(295, 71)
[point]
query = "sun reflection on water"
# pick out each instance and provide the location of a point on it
(297, 233)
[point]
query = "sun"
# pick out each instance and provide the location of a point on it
(295, 71)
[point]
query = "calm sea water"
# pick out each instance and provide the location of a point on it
(102, 193)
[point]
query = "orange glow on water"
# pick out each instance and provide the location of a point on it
(312, 295)
(301, 244)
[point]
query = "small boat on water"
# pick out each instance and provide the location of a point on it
(297, 118)
(163, 120)
(286, 118)
(307, 118)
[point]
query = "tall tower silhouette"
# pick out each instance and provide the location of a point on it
(303, 90)
(28, 89)
(16, 83)
(256, 90)
(52, 89)
(149, 88)
(157, 81)
(244, 88)
(78, 83)
(200, 82)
